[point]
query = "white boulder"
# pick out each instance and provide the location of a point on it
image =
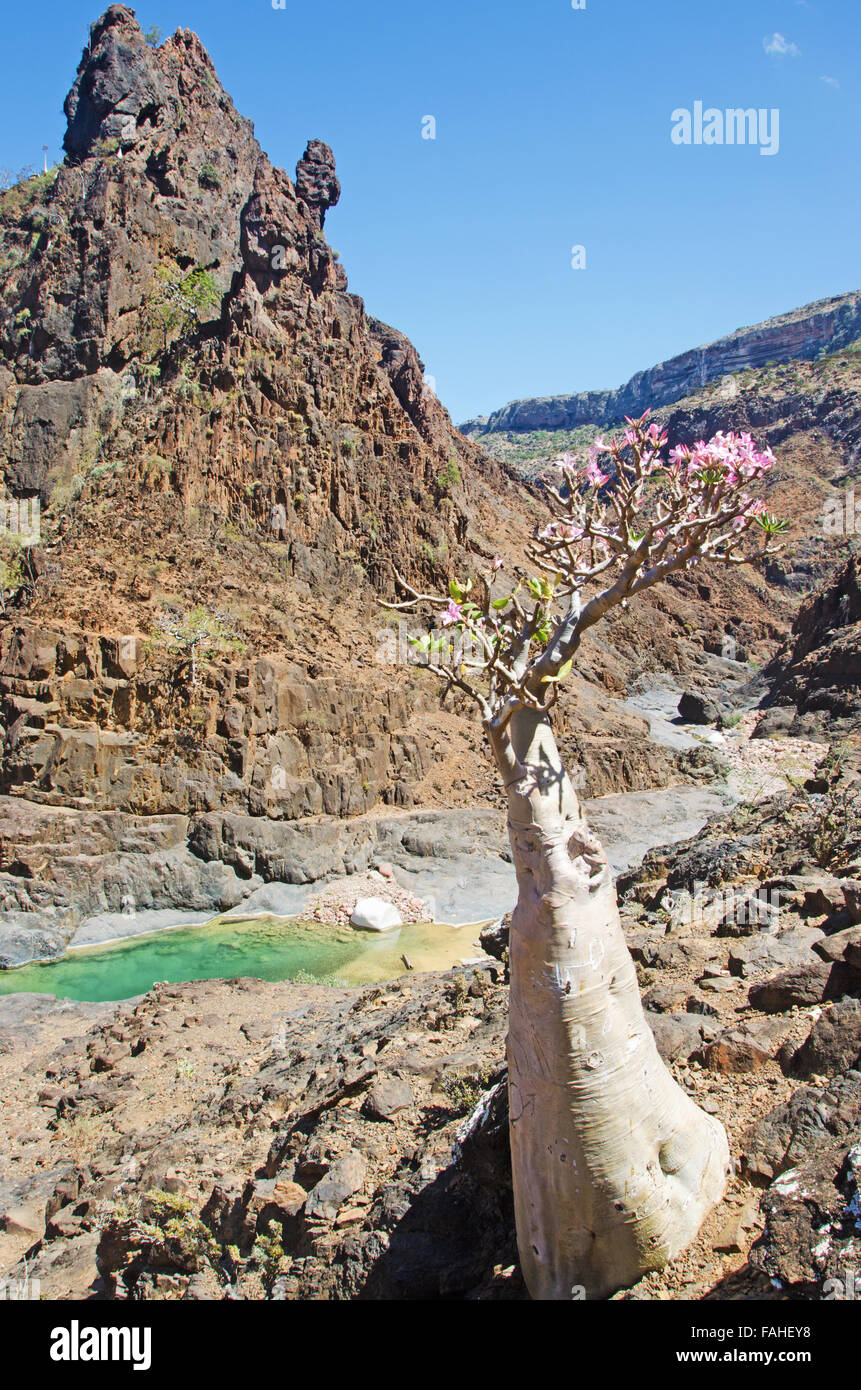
(373, 914)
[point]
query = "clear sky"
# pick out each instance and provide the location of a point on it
(553, 130)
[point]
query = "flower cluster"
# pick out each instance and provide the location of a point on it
(631, 518)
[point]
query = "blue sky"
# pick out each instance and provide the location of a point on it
(552, 131)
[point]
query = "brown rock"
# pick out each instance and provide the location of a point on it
(388, 1096)
(745, 1048)
(804, 986)
(839, 946)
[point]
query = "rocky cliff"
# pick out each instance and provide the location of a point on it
(803, 335)
(816, 681)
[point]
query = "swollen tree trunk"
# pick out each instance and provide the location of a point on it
(614, 1167)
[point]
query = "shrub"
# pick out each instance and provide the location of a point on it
(449, 476)
(208, 176)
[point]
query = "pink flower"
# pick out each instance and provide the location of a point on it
(496, 563)
(452, 614)
(594, 476)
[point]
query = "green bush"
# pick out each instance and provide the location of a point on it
(208, 176)
(449, 476)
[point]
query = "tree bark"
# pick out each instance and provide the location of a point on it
(614, 1167)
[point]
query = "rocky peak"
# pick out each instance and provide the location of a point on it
(258, 451)
(316, 182)
(118, 85)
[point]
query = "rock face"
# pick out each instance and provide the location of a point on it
(820, 678)
(806, 333)
(88, 724)
(61, 867)
(212, 424)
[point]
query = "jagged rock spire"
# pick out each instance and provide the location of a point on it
(118, 82)
(316, 181)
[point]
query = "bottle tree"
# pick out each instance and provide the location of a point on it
(614, 1166)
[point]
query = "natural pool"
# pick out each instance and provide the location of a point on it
(263, 948)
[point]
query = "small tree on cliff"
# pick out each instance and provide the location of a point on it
(195, 636)
(614, 1167)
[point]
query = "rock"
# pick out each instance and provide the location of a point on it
(735, 1233)
(775, 722)
(388, 1096)
(718, 984)
(802, 987)
(343, 1180)
(695, 1005)
(316, 181)
(494, 938)
(852, 897)
(26, 1219)
(843, 945)
(373, 914)
(801, 1206)
(663, 999)
(698, 709)
(833, 1045)
(809, 1123)
(808, 895)
(32, 936)
(681, 1037)
(764, 952)
(746, 1047)
(278, 1201)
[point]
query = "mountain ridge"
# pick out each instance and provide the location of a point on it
(813, 330)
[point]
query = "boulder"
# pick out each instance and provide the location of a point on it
(681, 1037)
(374, 914)
(698, 708)
(802, 987)
(799, 1128)
(833, 1045)
(843, 945)
(765, 952)
(388, 1096)
(852, 897)
(747, 1047)
(344, 1178)
(494, 938)
(775, 722)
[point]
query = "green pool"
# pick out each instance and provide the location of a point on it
(263, 948)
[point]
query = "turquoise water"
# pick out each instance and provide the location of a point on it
(265, 948)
